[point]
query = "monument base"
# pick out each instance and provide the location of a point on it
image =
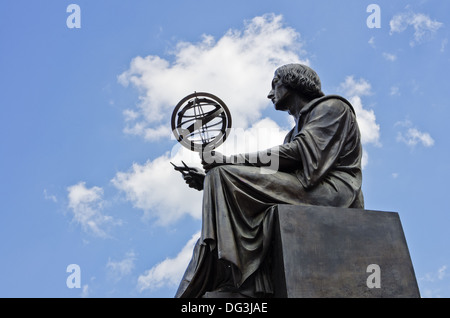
(338, 252)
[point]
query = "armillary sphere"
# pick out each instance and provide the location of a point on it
(201, 120)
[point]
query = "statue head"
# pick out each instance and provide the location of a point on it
(295, 78)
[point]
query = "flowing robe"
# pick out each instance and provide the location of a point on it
(319, 163)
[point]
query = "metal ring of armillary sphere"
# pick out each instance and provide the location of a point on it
(201, 120)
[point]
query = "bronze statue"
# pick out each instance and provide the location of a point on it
(319, 163)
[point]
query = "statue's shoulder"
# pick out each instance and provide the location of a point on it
(331, 103)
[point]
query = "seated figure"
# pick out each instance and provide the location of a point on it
(319, 163)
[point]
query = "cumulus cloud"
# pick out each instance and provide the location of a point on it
(237, 68)
(263, 134)
(354, 90)
(352, 87)
(86, 205)
(370, 130)
(169, 272)
(159, 191)
(424, 27)
(412, 136)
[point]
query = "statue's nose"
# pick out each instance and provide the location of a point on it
(271, 94)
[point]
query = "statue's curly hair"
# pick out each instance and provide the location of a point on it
(301, 78)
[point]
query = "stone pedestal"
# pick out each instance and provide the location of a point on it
(337, 252)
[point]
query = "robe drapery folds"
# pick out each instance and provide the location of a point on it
(319, 163)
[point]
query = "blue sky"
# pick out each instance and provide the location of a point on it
(85, 139)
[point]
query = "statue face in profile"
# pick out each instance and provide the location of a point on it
(280, 94)
(293, 86)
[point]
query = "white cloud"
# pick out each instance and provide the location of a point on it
(157, 189)
(86, 205)
(440, 274)
(424, 26)
(149, 133)
(370, 130)
(390, 57)
(130, 115)
(431, 283)
(170, 271)
(411, 136)
(352, 87)
(237, 68)
(262, 135)
(50, 197)
(85, 291)
(395, 90)
(119, 269)
(353, 90)
(443, 45)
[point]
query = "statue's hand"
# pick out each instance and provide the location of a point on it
(211, 159)
(194, 178)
